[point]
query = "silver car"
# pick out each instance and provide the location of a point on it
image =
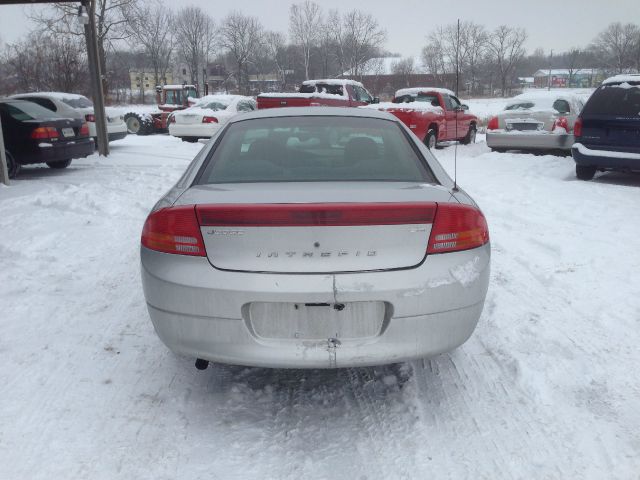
(535, 121)
(314, 237)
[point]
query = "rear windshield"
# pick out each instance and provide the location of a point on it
(322, 88)
(78, 102)
(314, 149)
(22, 111)
(616, 100)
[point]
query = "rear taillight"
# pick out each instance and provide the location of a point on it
(171, 119)
(174, 230)
(457, 227)
(84, 130)
(493, 124)
(44, 133)
(577, 127)
(90, 117)
(315, 214)
(209, 120)
(561, 123)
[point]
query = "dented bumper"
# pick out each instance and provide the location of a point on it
(355, 319)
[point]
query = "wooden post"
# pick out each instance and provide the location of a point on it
(4, 172)
(95, 77)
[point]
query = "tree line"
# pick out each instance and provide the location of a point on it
(146, 34)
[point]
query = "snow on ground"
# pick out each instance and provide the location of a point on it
(546, 388)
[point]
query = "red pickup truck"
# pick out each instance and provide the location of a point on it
(315, 93)
(433, 114)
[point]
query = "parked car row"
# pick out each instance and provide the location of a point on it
(601, 134)
(34, 134)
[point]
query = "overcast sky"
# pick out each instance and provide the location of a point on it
(551, 24)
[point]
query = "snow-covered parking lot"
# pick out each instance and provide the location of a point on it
(548, 387)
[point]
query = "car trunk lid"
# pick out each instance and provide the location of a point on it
(262, 229)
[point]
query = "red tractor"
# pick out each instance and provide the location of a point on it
(169, 98)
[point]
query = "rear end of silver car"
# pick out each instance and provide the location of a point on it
(315, 285)
(529, 131)
(315, 274)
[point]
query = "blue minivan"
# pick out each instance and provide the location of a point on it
(607, 132)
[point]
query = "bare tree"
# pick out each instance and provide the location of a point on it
(574, 60)
(241, 35)
(434, 60)
(276, 51)
(364, 37)
(195, 37)
(506, 49)
(304, 21)
(111, 21)
(619, 46)
(473, 40)
(48, 62)
(405, 68)
(151, 26)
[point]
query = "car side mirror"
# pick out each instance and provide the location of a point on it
(464, 107)
(375, 100)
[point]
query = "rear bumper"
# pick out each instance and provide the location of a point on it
(203, 312)
(194, 130)
(56, 152)
(533, 141)
(605, 159)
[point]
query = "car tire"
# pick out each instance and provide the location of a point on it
(431, 139)
(499, 150)
(470, 137)
(585, 172)
(13, 167)
(59, 165)
(189, 139)
(138, 124)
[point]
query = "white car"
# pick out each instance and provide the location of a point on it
(78, 106)
(540, 120)
(208, 115)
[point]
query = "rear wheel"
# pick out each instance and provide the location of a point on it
(190, 139)
(59, 165)
(431, 139)
(470, 137)
(499, 150)
(138, 124)
(584, 172)
(13, 167)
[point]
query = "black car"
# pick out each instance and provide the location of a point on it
(33, 134)
(607, 132)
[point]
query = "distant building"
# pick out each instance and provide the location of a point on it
(143, 84)
(564, 77)
(384, 75)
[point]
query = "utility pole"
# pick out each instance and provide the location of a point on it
(550, 62)
(95, 77)
(4, 171)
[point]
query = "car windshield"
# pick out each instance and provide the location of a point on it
(214, 106)
(520, 106)
(322, 88)
(618, 100)
(22, 111)
(313, 149)
(78, 102)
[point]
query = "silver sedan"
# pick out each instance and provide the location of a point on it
(539, 120)
(314, 237)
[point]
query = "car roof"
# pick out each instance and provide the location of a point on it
(628, 77)
(315, 112)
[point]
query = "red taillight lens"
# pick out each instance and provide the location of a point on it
(493, 124)
(209, 120)
(44, 133)
(174, 230)
(84, 130)
(577, 127)
(90, 117)
(457, 227)
(561, 122)
(171, 119)
(315, 214)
